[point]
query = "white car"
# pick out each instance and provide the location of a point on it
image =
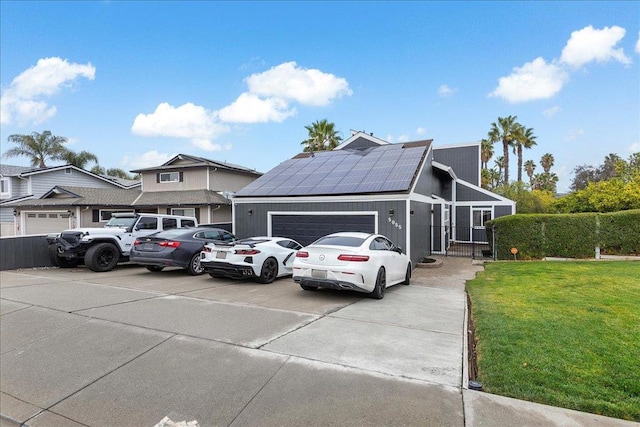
(262, 258)
(354, 261)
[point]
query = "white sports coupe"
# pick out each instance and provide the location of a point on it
(261, 258)
(355, 261)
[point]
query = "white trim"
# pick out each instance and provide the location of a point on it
(458, 145)
(364, 135)
(271, 214)
(445, 168)
(160, 181)
(486, 192)
(6, 193)
(407, 229)
(323, 198)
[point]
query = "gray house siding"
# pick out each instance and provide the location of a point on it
(502, 211)
(464, 160)
(420, 231)
(42, 183)
(467, 194)
(463, 223)
(256, 223)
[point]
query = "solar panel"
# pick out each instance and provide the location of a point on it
(374, 169)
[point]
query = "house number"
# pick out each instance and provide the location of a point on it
(394, 223)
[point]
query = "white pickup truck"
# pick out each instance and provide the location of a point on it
(101, 249)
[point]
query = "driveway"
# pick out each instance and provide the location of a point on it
(130, 347)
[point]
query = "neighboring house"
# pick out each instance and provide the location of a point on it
(367, 184)
(185, 185)
(21, 212)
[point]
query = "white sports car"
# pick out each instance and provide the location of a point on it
(355, 261)
(262, 258)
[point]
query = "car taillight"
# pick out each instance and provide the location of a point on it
(206, 249)
(169, 244)
(302, 254)
(357, 258)
(136, 243)
(246, 251)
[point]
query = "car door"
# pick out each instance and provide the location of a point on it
(286, 254)
(393, 263)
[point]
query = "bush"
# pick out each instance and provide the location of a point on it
(538, 236)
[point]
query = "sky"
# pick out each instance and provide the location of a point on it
(137, 82)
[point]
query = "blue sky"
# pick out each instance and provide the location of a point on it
(138, 82)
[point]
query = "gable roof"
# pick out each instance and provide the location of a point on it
(359, 139)
(23, 172)
(379, 169)
(194, 162)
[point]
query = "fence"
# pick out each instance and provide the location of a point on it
(24, 252)
(461, 241)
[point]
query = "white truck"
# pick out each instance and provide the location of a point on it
(101, 249)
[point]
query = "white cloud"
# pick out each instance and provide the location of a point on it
(550, 112)
(591, 44)
(634, 148)
(186, 121)
(21, 102)
(307, 86)
(421, 131)
(249, 108)
(445, 90)
(534, 80)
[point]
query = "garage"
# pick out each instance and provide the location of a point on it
(306, 228)
(46, 222)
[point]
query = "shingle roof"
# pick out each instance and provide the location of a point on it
(197, 162)
(10, 170)
(177, 198)
(380, 169)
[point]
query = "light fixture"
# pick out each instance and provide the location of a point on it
(250, 211)
(412, 212)
(391, 212)
(15, 212)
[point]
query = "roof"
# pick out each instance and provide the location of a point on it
(197, 162)
(10, 170)
(379, 169)
(86, 196)
(21, 171)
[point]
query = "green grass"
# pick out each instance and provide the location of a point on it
(565, 334)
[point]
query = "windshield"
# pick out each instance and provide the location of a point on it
(125, 222)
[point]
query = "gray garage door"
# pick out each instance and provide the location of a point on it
(307, 228)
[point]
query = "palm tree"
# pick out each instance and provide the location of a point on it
(486, 152)
(81, 159)
(322, 136)
(547, 161)
(530, 167)
(524, 139)
(37, 147)
(119, 173)
(499, 161)
(504, 131)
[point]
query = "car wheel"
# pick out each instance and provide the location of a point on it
(269, 271)
(381, 285)
(102, 257)
(309, 288)
(195, 268)
(154, 268)
(407, 277)
(59, 261)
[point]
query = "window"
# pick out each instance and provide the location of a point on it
(188, 223)
(169, 177)
(380, 244)
(68, 171)
(105, 214)
(289, 244)
(147, 223)
(5, 185)
(184, 211)
(481, 216)
(169, 223)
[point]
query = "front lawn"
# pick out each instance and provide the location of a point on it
(565, 334)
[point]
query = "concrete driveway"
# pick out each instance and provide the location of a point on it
(129, 347)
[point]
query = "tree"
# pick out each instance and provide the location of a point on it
(499, 161)
(504, 131)
(322, 136)
(37, 147)
(81, 159)
(524, 138)
(486, 152)
(582, 176)
(119, 173)
(530, 167)
(547, 162)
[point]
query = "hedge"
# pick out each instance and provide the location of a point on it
(537, 236)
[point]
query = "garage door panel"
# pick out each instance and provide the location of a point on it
(46, 222)
(307, 228)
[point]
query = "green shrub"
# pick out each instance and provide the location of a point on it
(565, 235)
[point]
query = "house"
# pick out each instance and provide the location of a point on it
(418, 196)
(21, 212)
(184, 185)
